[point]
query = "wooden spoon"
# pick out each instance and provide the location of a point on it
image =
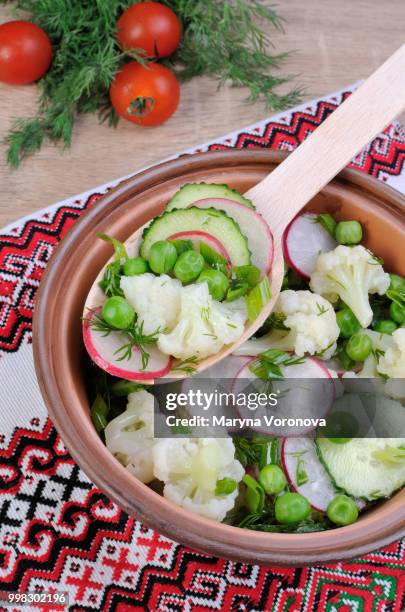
(285, 191)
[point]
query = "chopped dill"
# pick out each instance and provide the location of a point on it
(133, 333)
(187, 365)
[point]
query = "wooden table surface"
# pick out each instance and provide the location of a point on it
(335, 43)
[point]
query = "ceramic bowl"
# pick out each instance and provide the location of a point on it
(59, 352)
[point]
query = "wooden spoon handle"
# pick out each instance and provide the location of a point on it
(284, 192)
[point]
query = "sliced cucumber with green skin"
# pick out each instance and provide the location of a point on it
(191, 192)
(354, 468)
(212, 221)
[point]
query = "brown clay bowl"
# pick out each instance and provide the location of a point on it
(59, 352)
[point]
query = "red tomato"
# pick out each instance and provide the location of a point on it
(25, 52)
(150, 26)
(147, 95)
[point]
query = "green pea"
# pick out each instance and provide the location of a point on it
(348, 324)
(339, 425)
(385, 326)
(272, 479)
(359, 347)
(397, 313)
(397, 283)
(291, 508)
(342, 510)
(349, 232)
(217, 282)
(189, 266)
(137, 265)
(162, 256)
(117, 312)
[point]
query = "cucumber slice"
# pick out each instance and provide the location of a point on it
(191, 192)
(354, 468)
(212, 221)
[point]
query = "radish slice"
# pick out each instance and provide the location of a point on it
(252, 225)
(303, 241)
(298, 455)
(308, 402)
(102, 351)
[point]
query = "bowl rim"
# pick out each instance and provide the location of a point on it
(202, 534)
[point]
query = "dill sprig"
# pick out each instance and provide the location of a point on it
(133, 334)
(321, 309)
(188, 366)
(221, 38)
(268, 364)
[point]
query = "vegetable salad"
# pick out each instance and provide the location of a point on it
(198, 275)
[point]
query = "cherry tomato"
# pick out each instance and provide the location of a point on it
(150, 26)
(25, 52)
(147, 95)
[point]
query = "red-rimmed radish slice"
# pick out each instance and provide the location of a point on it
(299, 457)
(252, 226)
(303, 240)
(102, 350)
(309, 402)
(211, 241)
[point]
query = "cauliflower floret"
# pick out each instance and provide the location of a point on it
(130, 435)
(312, 324)
(392, 362)
(204, 325)
(388, 417)
(350, 273)
(395, 389)
(190, 469)
(156, 300)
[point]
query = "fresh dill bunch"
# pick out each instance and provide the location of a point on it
(221, 38)
(224, 40)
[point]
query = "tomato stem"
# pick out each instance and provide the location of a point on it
(141, 106)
